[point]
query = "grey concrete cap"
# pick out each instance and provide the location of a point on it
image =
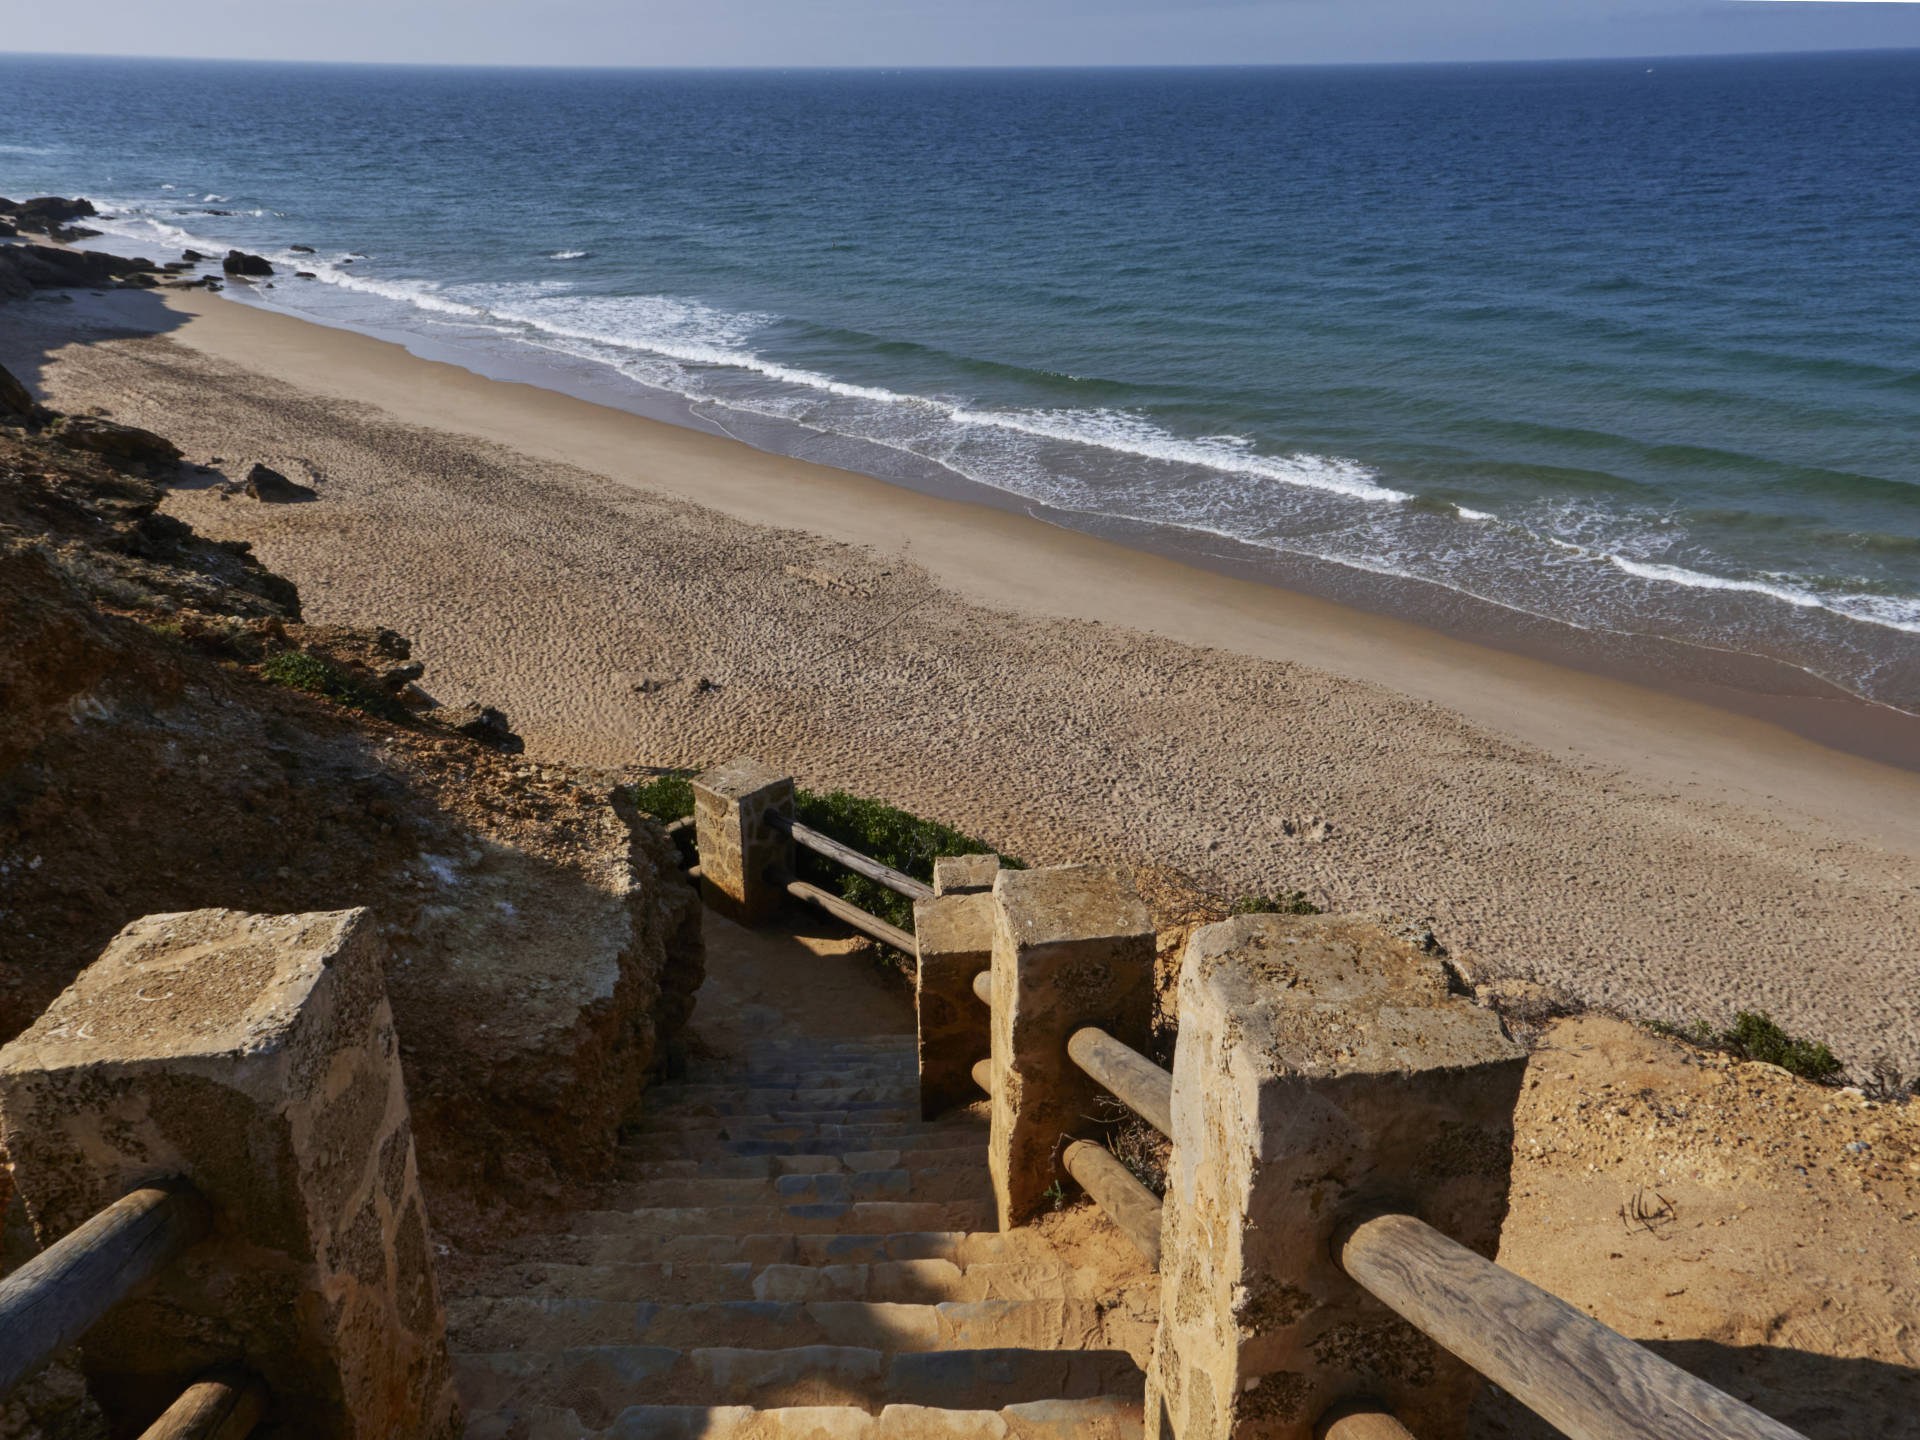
(964, 874)
(1075, 903)
(199, 982)
(954, 924)
(738, 777)
(1352, 998)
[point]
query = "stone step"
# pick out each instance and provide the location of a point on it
(598, 1382)
(1110, 1417)
(969, 1182)
(641, 1147)
(801, 1077)
(724, 1165)
(958, 1247)
(861, 1217)
(476, 1323)
(866, 1132)
(685, 1282)
(891, 1091)
(784, 1112)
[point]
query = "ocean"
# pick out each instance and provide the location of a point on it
(1620, 356)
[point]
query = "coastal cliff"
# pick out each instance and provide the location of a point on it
(173, 737)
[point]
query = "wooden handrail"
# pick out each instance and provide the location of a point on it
(1578, 1375)
(56, 1297)
(220, 1407)
(1128, 1203)
(860, 864)
(982, 1073)
(674, 827)
(983, 987)
(1135, 1080)
(860, 920)
(1360, 1422)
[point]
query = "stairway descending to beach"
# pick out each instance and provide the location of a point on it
(793, 1253)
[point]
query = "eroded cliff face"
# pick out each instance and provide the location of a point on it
(545, 946)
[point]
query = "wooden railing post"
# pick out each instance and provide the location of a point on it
(1321, 1063)
(745, 863)
(254, 1058)
(1071, 947)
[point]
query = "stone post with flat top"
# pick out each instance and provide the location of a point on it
(745, 862)
(1071, 947)
(254, 1057)
(1324, 1070)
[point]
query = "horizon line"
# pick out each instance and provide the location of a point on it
(1887, 50)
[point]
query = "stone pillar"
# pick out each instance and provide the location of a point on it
(255, 1057)
(964, 874)
(1323, 1070)
(954, 935)
(744, 862)
(1071, 947)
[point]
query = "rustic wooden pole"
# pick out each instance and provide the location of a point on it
(983, 1075)
(1578, 1375)
(860, 864)
(1145, 1088)
(55, 1298)
(983, 987)
(1360, 1421)
(225, 1406)
(860, 920)
(1128, 1203)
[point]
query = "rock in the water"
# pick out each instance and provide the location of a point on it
(194, 255)
(15, 398)
(26, 268)
(301, 249)
(305, 275)
(125, 443)
(238, 262)
(275, 488)
(46, 212)
(480, 722)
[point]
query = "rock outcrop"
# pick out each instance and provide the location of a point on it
(117, 443)
(46, 213)
(270, 485)
(26, 268)
(239, 262)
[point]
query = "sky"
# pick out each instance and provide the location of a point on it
(960, 32)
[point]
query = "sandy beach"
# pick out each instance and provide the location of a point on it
(635, 592)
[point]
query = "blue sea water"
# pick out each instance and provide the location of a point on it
(1629, 346)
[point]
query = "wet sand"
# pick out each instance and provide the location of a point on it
(637, 592)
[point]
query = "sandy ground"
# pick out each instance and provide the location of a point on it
(1630, 849)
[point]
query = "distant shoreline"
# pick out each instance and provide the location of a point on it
(1749, 685)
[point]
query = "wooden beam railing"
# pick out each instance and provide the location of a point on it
(853, 915)
(1577, 1374)
(983, 987)
(223, 1406)
(1128, 1203)
(860, 864)
(1142, 1086)
(57, 1296)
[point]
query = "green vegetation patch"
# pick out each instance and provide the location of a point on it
(1288, 902)
(299, 671)
(1755, 1036)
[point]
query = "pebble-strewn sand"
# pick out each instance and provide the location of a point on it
(620, 623)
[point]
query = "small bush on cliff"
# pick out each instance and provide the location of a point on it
(666, 797)
(1755, 1036)
(298, 671)
(1289, 902)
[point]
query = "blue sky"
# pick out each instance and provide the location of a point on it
(961, 32)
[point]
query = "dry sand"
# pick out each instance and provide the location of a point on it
(635, 592)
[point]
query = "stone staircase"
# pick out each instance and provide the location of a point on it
(792, 1253)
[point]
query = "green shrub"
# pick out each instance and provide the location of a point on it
(1290, 902)
(1755, 1036)
(299, 671)
(892, 836)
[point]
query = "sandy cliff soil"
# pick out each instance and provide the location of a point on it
(543, 945)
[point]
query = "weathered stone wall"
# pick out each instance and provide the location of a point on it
(1323, 1070)
(254, 1056)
